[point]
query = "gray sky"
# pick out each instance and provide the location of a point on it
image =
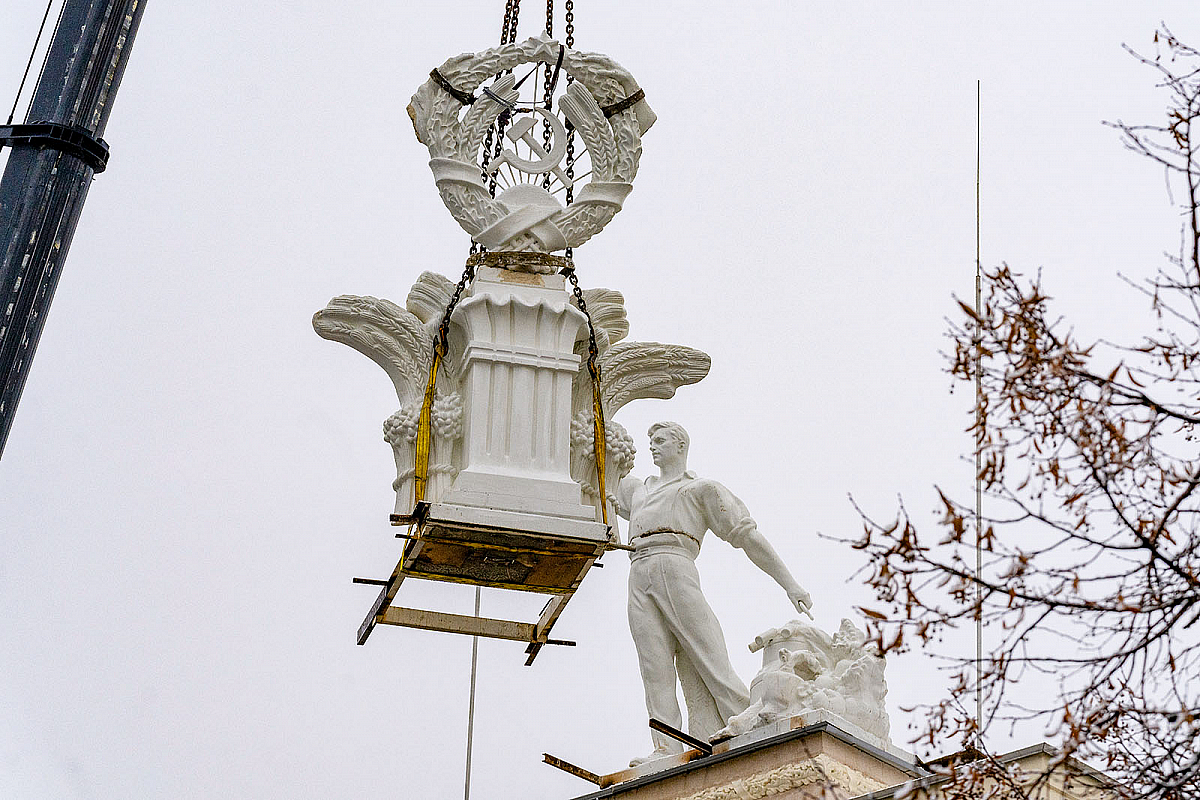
(194, 476)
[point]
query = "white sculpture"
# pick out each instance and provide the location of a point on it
(525, 216)
(805, 669)
(674, 629)
(401, 340)
(513, 400)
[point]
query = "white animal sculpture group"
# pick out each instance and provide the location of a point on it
(806, 669)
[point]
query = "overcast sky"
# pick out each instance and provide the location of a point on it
(194, 475)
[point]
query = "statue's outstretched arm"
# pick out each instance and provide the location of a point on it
(729, 519)
(763, 555)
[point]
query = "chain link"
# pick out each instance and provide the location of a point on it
(593, 350)
(569, 41)
(493, 142)
(599, 426)
(441, 342)
(547, 92)
(508, 30)
(512, 30)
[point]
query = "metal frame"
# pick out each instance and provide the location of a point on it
(545, 555)
(73, 140)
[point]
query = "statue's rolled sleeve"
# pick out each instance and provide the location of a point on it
(625, 489)
(726, 516)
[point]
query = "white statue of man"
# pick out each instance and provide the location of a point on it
(673, 627)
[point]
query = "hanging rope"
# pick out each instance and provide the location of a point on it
(29, 63)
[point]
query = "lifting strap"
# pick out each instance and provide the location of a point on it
(441, 343)
(421, 468)
(598, 439)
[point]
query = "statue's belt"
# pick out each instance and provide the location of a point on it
(666, 530)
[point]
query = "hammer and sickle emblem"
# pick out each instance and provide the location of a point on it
(522, 130)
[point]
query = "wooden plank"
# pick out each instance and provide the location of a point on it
(581, 549)
(568, 767)
(550, 614)
(457, 623)
(423, 575)
(691, 741)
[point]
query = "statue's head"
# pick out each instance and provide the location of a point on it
(668, 441)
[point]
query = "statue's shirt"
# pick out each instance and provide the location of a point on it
(687, 505)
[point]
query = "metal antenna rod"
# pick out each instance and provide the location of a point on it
(471, 706)
(978, 446)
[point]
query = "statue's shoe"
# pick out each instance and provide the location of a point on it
(657, 753)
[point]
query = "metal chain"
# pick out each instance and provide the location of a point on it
(441, 341)
(599, 433)
(493, 142)
(512, 26)
(569, 41)
(508, 29)
(441, 344)
(548, 92)
(593, 350)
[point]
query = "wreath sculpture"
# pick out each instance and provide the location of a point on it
(525, 221)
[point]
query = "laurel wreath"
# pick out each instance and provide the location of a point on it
(615, 143)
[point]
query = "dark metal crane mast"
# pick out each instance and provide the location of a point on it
(54, 155)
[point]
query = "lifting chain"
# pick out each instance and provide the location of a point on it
(493, 143)
(548, 91)
(508, 30)
(441, 344)
(599, 439)
(492, 147)
(569, 41)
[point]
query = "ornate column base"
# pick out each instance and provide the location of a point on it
(518, 365)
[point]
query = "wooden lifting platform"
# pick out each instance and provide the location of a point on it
(502, 550)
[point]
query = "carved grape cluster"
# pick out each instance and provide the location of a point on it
(401, 427)
(446, 416)
(445, 419)
(619, 447)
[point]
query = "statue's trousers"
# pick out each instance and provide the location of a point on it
(677, 635)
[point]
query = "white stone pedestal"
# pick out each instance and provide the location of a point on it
(518, 364)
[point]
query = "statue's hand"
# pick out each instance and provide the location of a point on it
(802, 600)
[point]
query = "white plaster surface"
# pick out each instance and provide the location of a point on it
(803, 719)
(450, 514)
